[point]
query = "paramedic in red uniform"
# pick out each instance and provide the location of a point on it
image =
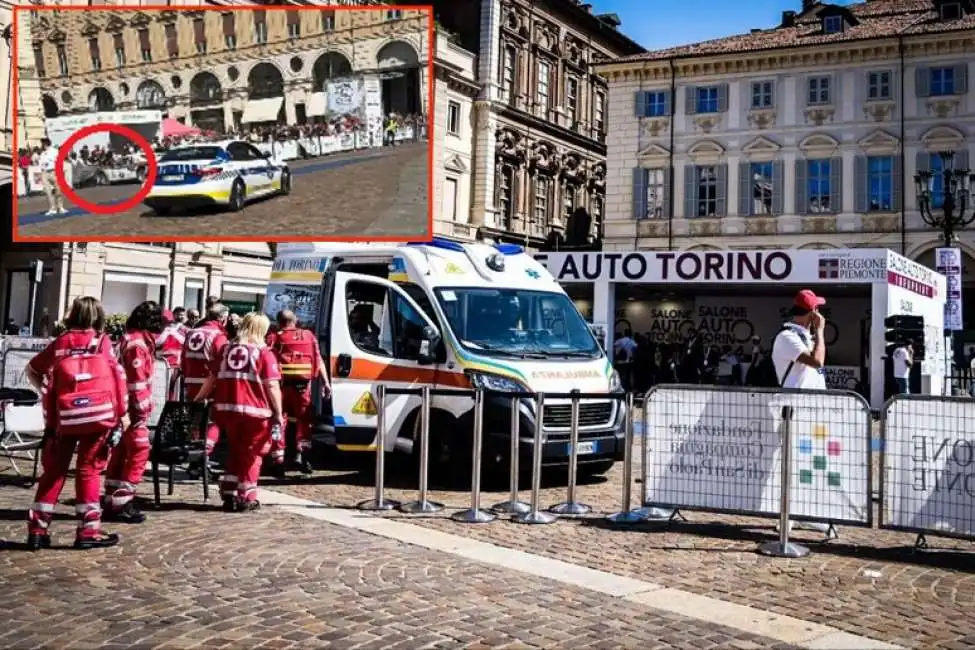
(201, 352)
(169, 345)
(84, 403)
(301, 362)
(246, 395)
(136, 351)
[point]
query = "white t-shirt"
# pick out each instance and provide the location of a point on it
(901, 368)
(48, 158)
(627, 345)
(788, 345)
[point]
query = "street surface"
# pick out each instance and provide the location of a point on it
(373, 192)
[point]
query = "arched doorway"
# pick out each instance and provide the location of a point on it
(150, 96)
(400, 72)
(265, 95)
(330, 65)
(100, 100)
(50, 106)
(206, 102)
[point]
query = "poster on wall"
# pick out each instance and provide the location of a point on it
(303, 300)
(949, 265)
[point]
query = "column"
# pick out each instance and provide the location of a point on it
(482, 181)
(604, 309)
(734, 183)
(789, 183)
(290, 114)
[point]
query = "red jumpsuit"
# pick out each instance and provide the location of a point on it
(128, 461)
(242, 407)
(201, 353)
(170, 346)
(92, 448)
(298, 355)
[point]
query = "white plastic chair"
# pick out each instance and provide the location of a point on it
(21, 429)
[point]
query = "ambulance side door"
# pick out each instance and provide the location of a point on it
(379, 335)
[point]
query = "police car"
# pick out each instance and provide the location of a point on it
(228, 174)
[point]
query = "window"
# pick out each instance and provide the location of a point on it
(880, 183)
(544, 83)
(145, 47)
(200, 35)
(656, 103)
(937, 168)
(510, 56)
(950, 11)
(569, 197)
(818, 186)
(407, 330)
(367, 302)
(762, 94)
(294, 24)
(328, 21)
(229, 31)
(655, 194)
(39, 61)
(572, 99)
(172, 41)
(818, 91)
(878, 85)
(62, 61)
(394, 14)
(119, 50)
(707, 99)
(833, 24)
(761, 175)
(260, 27)
(506, 185)
(596, 212)
(95, 54)
(540, 210)
(707, 192)
(942, 81)
(599, 112)
(453, 118)
(449, 199)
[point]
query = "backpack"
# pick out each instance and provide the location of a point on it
(296, 357)
(83, 383)
(762, 374)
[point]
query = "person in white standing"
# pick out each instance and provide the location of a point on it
(903, 359)
(799, 356)
(48, 160)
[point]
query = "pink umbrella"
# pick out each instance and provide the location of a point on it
(171, 127)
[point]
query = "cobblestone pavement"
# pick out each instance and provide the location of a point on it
(194, 577)
(867, 582)
(379, 192)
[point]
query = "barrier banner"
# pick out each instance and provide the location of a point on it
(310, 146)
(719, 449)
(160, 390)
(15, 362)
(928, 483)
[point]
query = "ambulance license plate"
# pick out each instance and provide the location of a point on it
(585, 448)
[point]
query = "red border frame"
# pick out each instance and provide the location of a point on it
(431, 121)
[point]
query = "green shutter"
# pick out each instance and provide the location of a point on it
(667, 193)
(862, 185)
(802, 187)
(922, 82)
(690, 100)
(897, 183)
(690, 191)
(639, 193)
(642, 103)
(745, 190)
(722, 98)
(778, 187)
(721, 190)
(836, 185)
(668, 103)
(961, 79)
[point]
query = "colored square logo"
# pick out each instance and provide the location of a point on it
(820, 431)
(829, 269)
(819, 462)
(833, 448)
(833, 479)
(805, 446)
(805, 476)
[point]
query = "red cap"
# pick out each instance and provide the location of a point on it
(168, 316)
(808, 300)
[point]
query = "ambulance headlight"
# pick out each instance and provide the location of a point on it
(485, 381)
(615, 383)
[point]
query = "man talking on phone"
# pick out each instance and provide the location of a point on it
(799, 355)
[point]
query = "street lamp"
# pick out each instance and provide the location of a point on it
(956, 209)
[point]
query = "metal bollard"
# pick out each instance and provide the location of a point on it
(474, 514)
(649, 513)
(783, 547)
(513, 506)
(422, 504)
(570, 506)
(626, 515)
(379, 502)
(535, 515)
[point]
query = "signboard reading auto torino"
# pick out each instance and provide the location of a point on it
(783, 266)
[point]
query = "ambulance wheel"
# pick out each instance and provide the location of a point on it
(450, 453)
(236, 203)
(285, 182)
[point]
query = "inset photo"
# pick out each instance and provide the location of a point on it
(222, 122)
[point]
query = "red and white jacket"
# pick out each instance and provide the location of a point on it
(137, 352)
(243, 374)
(297, 353)
(170, 343)
(201, 353)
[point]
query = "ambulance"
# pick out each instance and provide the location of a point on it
(449, 316)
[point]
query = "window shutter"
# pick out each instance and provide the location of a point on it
(690, 191)
(923, 162)
(690, 100)
(199, 31)
(668, 103)
(832, 90)
(118, 42)
(639, 193)
(721, 191)
(961, 79)
(802, 187)
(666, 194)
(722, 98)
(922, 82)
(774, 89)
(862, 184)
(961, 159)
(642, 103)
(745, 191)
(228, 24)
(836, 185)
(898, 182)
(778, 187)
(144, 39)
(809, 87)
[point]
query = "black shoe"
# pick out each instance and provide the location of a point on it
(104, 540)
(129, 514)
(276, 471)
(37, 541)
(250, 506)
(302, 464)
(229, 504)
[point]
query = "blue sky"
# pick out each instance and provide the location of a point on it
(657, 24)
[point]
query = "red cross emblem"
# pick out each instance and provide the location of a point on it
(237, 358)
(197, 339)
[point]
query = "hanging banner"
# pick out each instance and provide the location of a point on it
(948, 264)
(346, 96)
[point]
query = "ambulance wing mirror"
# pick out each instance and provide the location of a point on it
(429, 345)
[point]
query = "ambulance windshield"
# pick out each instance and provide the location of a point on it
(516, 322)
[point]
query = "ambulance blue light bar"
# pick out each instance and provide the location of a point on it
(437, 242)
(509, 249)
